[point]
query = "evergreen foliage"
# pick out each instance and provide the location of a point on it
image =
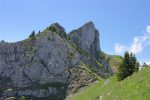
(2, 41)
(52, 28)
(128, 66)
(32, 35)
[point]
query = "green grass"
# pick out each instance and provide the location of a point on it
(135, 87)
(86, 67)
(115, 62)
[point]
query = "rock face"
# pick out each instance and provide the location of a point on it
(87, 38)
(47, 65)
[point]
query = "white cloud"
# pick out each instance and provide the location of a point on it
(144, 61)
(148, 62)
(139, 42)
(120, 48)
(148, 29)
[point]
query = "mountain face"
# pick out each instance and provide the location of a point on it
(51, 64)
(87, 38)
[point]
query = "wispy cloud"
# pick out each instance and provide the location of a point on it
(119, 48)
(138, 44)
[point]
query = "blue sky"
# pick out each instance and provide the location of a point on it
(123, 24)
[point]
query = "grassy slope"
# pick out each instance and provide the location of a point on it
(135, 87)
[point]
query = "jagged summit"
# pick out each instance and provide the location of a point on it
(87, 38)
(89, 24)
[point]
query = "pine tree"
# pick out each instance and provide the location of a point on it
(120, 74)
(128, 66)
(32, 35)
(137, 67)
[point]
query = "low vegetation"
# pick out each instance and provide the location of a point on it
(87, 68)
(114, 61)
(135, 87)
(70, 55)
(52, 28)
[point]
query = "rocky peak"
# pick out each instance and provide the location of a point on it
(58, 29)
(86, 38)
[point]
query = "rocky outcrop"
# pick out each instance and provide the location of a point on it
(48, 64)
(58, 29)
(87, 38)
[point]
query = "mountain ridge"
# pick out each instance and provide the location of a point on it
(49, 64)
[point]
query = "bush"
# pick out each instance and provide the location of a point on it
(2, 41)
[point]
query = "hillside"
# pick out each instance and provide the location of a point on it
(135, 87)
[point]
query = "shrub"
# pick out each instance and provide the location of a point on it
(2, 41)
(70, 55)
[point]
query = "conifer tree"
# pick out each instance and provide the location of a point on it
(128, 66)
(32, 35)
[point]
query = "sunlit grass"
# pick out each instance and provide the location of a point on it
(135, 87)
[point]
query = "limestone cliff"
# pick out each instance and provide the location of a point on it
(49, 65)
(87, 38)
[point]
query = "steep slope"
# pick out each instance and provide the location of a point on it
(135, 87)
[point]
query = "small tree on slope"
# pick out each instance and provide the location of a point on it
(32, 35)
(128, 66)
